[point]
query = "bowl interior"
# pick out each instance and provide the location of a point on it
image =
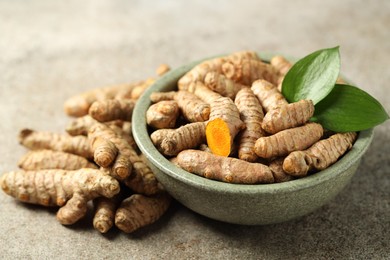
(169, 82)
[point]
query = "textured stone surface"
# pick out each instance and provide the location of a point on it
(50, 50)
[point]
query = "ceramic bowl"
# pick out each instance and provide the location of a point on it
(240, 203)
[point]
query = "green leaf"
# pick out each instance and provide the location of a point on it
(312, 77)
(348, 108)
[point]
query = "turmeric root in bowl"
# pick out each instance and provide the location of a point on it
(198, 152)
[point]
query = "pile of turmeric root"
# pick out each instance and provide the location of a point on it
(229, 121)
(96, 161)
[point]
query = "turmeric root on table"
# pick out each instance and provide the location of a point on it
(320, 155)
(36, 140)
(126, 127)
(128, 166)
(162, 69)
(104, 217)
(109, 144)
(80, 125)
(104, 150)
(125, 133)
(139, 90)
(252, 115)
(105, 208)
(70, 190)
(288, 116)
(142, 180)
(289, 140)
(112, 109)
(222, 168)
(138, 211)
(112, 149)
(48, 159)
(79, 105)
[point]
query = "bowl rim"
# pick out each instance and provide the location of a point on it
(142, 138)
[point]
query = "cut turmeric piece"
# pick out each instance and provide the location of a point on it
(223, 126)
(218, 136)
(138, 211)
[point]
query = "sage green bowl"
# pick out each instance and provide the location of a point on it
(258, 204)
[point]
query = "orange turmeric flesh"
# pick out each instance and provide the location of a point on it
(218, 137)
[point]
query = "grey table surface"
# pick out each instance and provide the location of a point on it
(51, 50)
